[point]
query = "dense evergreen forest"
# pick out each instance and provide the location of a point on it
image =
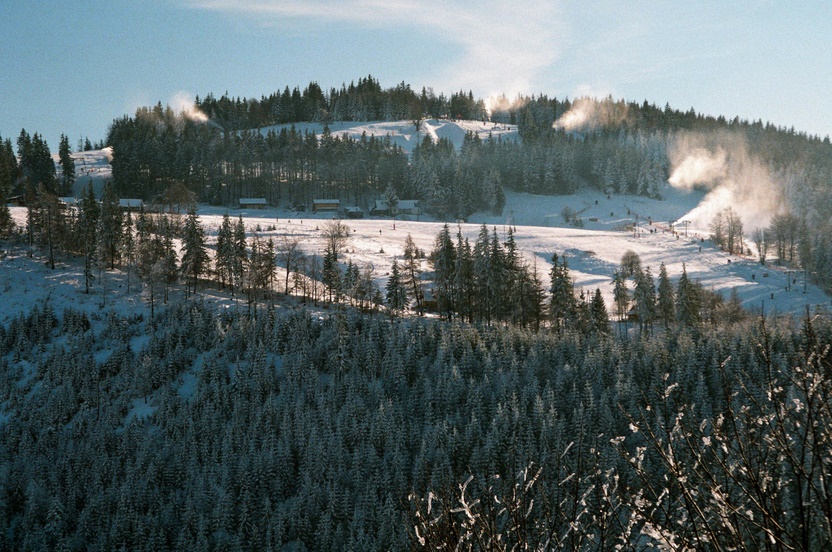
(198, 430)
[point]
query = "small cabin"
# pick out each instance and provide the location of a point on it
(409, 207)
(326, 205)
(252, 203)
(355, 212)
(17, 201)
(130, 204)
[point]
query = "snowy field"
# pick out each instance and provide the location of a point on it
(593, 252)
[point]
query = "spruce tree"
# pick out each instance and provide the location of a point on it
(331, 274)
(463, 282)
(621, 295)
(688, 302)
(599, 318)
(667, 299)
(224, 259)
(8, 176)
(396, 291)
(444, 258)
(483, 294)
(128, 246)
(67, 167)
(194, 251)
(239, 257)
(109, 227)
(87, 225)
(563, 307)
(645, 299)
(412, 275)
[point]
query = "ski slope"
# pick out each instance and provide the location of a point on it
(593, 253)
(404, 133)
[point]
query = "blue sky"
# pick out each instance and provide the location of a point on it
(72, 67)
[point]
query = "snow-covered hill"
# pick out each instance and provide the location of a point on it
(404, 133)
(91, 167)
(593, 249)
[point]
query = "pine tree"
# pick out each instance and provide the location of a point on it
(444, 259)
(331, 274)
(87, 224)
(109, 227)
(396, 291)
(688, 302)
(667, 299)
(8, 177)
(165, 267)
(224, 260)
(50, 219)
(128, 246)
(463, 282)
(194, 251)
(599, 320)
(563, 307)
(67, 167)
(644, 296)
(620, 294)
(142, 241)
(239, 258)
(529, 305)
(412, 275)
(510, 277)
(483, 293)
(352, 277)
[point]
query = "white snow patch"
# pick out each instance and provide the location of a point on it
(140, 410)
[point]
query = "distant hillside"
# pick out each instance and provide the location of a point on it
(363, 142)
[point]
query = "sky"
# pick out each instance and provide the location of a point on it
(72, 67)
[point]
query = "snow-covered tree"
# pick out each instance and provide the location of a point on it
(194, 250)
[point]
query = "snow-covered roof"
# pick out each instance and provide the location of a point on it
(402, 204)
(252, 201)
(405, 204)
(130, 203)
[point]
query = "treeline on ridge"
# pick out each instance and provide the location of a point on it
(235, 155)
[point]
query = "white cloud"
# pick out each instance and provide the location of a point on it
(504, 47)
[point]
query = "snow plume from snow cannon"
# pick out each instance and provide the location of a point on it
(499, 107)
(592, 114)
(183, 105)
(699, 167)
(722, 165)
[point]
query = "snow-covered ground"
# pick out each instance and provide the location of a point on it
(91, 167)
(593, 250)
